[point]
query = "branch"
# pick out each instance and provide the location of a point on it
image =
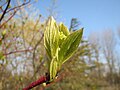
(42, 79)
(59, 78)
(18, 6)
(8, 19)
(5, 10)
(2, 6)
(18, 51)
(35, 50)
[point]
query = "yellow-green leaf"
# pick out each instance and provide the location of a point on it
(53, 68)
(70, 45)
(51, 38)
(1, 56)
(64, 29)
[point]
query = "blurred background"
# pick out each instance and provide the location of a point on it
(23, 59)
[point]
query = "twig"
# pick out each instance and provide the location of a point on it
(42, 79)
(5, 10)
(56, 80)
(2, 6)
(8, 19)
(35, 50)
(18, 51)
(18, 6)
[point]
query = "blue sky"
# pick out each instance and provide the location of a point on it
(94, 15)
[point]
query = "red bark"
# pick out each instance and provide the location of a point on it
(42, 79)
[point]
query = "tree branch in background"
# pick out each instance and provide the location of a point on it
(8, 19)
(18, 51)
(2, 6)
(74, 24)
(18, 6)
(7, 11)
(4, 12)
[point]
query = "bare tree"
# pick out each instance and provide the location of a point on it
(94, 41)
(52, 9)
(108, 44)
(10, 10)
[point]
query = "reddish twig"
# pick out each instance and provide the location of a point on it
(8, 19)
(59, 78)
(42, 79)
(18, 51)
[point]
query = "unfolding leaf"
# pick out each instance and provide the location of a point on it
(70, 45)
(64, 29)
(3, 34)
(1, 56)
(51, 43)
(63, 33)
(53, 68)
(51, 38)
(60, 45)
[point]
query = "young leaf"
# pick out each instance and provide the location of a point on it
(51, 43)
(60, 45)
(51, 38)
(3, 34)
(1, 56)
(53, 68)
(64, 29)
(63, 33)
(70, 45)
